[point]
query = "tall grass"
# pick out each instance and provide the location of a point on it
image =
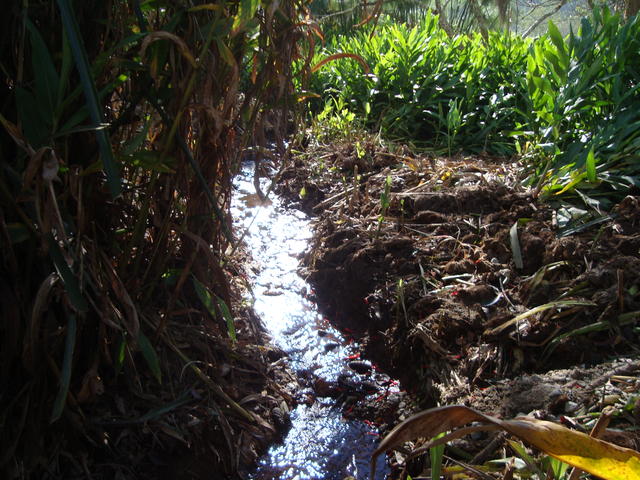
(570, 105)
(122, 124)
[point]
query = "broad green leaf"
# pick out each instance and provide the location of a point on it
(45, 75)
(591, 167)
(149, 160)
(558, 41)
(158, 412)
(120, 355)
(65, 70)
(150, 356)
(84, 70)
(226, 313)
(71, 283)
(226, 53)
(35, 125)
(436, 455)
(136, 142)
(204, 296)
(246, 11)
(65, 372)
(207, 300)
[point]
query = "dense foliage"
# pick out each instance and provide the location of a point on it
(122, 125)
(570, 105)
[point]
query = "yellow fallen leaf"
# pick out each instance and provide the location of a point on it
(592, 455)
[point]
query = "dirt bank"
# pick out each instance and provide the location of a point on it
(454, 277)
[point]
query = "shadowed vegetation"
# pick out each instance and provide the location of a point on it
(122, 125)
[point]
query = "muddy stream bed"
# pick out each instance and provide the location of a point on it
(320, 442)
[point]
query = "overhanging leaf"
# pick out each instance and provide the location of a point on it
(84, 71)
(338, 56)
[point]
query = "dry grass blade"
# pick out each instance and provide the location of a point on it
(338, 56)
(161, 35)
(540, 308)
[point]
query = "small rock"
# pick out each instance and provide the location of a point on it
(359, 366)
(324, 388)
(571, 407)
(280, 418)
(331, 346)
(272, 293)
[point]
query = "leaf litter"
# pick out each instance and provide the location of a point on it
(463, 286)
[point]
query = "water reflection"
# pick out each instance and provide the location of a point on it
(320, 443)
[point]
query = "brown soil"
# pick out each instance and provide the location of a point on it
(431, 289)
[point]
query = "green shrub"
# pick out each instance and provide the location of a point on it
(570, 106)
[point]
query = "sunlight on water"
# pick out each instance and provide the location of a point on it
(320, 444)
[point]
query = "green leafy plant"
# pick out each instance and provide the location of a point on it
(569, 105)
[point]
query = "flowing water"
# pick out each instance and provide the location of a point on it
(321, 444)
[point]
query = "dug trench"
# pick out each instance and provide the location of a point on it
(458, 281)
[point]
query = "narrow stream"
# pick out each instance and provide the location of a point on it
(321, 444)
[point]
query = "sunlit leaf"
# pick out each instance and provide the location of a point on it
(590, 454)
(591, 167)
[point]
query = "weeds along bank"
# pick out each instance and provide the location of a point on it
(570, 107)
(124, 352)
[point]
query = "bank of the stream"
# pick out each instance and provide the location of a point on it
(462, 284)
